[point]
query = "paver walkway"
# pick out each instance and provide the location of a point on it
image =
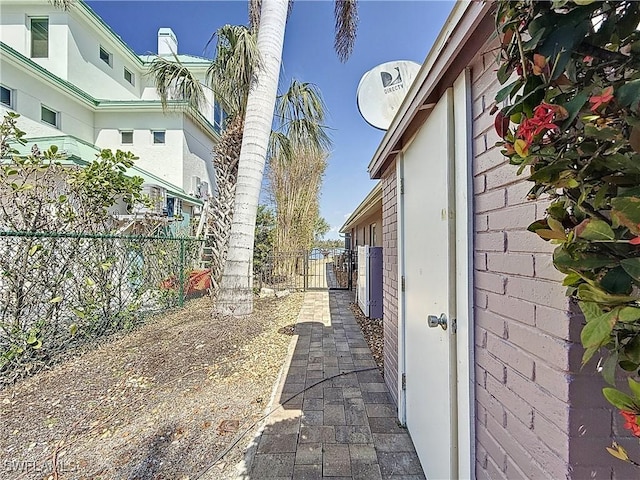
(341, 428)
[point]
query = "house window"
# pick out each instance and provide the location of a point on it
(158, 137)
(6, 96)
(106, 57)
(219, 117)
(129, 77)
(126, 137)
(39, 37)
(49, 116)
(372, 234)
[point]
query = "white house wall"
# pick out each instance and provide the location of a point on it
(163, 160)
(198, 146)
(30, 93)
(15, 32)
(93, 75)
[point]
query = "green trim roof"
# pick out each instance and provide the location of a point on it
(190, 60)
(81, 153)
(8, 53)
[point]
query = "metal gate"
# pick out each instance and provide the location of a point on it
(316, 269)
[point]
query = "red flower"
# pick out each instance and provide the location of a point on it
(599, 100)
(631, 422)
(542, 121)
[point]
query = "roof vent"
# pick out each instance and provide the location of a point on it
(167, 42)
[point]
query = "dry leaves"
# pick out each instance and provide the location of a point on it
(142, 406)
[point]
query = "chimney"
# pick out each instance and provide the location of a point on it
(167, 42)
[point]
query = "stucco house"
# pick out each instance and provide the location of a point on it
(71, 77)
(482, 349)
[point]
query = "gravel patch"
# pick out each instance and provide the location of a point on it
(373, 331)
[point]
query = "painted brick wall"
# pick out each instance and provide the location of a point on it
(390, 280)
(538, 415)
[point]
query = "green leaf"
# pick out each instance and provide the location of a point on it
(629, 93)
(551, 234)
(56, 300)
(620, 400)
(79, 313)
(588, 353)
(555, 225)
(635, 387)
(597, 230)
(564, 261)
(504, 73)
(596, 332)
(73, 329)
(571, 279)
(627, 314)
(589, 293)
(631, 354)
(609, 368)
(632, 267)
(590, 310)
(617, 281)
(504, 92)
(626, 211)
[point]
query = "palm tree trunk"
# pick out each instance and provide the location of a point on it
(236, 292)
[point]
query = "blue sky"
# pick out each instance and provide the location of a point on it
(388, 30)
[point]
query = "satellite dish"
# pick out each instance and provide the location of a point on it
(382, 89)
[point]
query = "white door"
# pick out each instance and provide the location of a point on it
(429, 270)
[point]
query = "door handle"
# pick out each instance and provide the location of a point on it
(434, 321)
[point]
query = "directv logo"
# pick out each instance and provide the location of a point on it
(391, 84)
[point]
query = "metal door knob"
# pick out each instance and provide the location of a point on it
(434, 321)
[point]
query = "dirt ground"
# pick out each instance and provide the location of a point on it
(160, 403)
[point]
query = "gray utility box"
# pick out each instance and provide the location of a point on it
(369, 290)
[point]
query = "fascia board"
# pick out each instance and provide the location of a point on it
(364, 209)
(462, 22)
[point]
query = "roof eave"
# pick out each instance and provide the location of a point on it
(463, 22)
(365, 208)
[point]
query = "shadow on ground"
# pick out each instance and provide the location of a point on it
(343, 424)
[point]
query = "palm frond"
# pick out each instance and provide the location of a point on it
(233, 70)
(301, 113)
(174, 81)
(346, 15)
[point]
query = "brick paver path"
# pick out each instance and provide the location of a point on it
(341, 428)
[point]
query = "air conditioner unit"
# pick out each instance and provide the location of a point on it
(203, 191)
(195, 186)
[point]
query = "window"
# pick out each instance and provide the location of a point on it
(105, 56)
(39, 37)
(158, 136)
(49, 116)
(5, 96)
(126, 137)
(129, 77)
(219, 117)
(372, 234)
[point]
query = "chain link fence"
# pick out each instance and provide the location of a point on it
(60, 291)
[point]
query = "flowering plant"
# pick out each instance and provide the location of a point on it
(569, 115)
